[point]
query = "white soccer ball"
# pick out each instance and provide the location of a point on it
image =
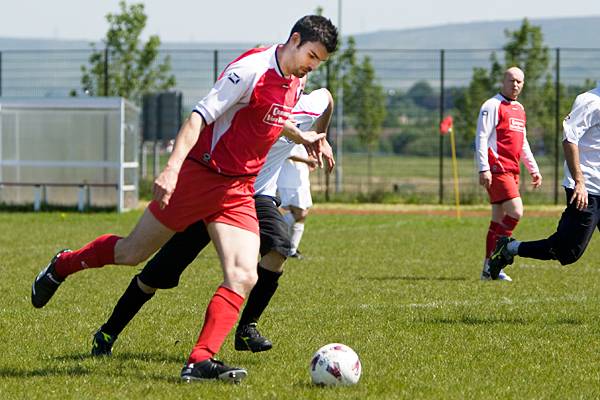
(335, 364)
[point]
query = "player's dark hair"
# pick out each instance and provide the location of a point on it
(315, 28)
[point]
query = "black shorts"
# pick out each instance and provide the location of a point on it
(165, 268)
(274, 233)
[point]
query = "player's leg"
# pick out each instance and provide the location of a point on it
(507, 210)
(238, 251)
(147, 237)
(274, 247)
(567, 244)
(297, 229)
(161, 272)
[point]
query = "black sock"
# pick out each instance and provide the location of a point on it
(538, 249)
(260, 296)
(128, 305)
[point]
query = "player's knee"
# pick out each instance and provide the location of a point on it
(517, 214)
(244, 278)
(567, 256)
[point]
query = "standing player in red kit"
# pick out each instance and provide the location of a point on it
(501, 143)
(210, 176)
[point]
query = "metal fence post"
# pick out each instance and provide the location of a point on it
(556, 125)
(0, 74)
(106, 71)
(215, 65)
(441, 118)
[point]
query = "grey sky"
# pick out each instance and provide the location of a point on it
(264, 20)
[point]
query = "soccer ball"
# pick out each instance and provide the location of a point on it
(335, 364)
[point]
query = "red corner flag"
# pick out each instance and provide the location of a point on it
(446, 125)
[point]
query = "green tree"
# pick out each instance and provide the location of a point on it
(368, 108)
(133, 66)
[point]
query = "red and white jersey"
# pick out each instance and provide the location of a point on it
(244, 113)
(501, 140)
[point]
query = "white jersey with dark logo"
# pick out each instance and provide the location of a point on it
(582, 127)
(309, 108)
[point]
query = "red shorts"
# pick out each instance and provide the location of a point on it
(202, 194)
(504, 187)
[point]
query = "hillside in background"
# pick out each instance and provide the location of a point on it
(558, 32)
(580, 32)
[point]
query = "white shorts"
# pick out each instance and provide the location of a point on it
(299, 198)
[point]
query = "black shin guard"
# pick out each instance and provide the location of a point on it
(128, 305)
(260, 296)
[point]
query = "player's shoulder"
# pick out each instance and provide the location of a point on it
(252, 62)
(490, 106)
(315, 101)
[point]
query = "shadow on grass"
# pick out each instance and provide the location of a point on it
(156, 356)
(498, 321)
(43, 372)
(412, 278)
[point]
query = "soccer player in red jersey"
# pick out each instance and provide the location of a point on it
(210, 176)
(501, 143)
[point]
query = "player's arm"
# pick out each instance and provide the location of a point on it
(530, 163)
(311, 162)
(292, 132)
(322, 125)
(188, 134)
(486, 123)
(580, 195)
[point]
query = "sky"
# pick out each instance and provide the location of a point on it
(264, 20)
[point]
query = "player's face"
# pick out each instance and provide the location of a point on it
(512, 84)
(308, 57)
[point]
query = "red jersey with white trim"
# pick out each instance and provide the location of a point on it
(244, 113)
(501, 140)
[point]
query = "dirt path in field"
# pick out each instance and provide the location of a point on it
(409, 209)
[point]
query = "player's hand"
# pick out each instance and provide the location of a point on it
(310, 137)
(164, 186)
(536, 180)
(579, 197)
(485, 179)
(312, 164)
(327, 153)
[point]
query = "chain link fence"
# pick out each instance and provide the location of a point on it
(412, 161)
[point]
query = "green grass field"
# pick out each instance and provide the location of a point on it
(402, 290)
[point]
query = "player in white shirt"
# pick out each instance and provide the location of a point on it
(294, 190)
(581, 145)
(166, 267)
(293, 184)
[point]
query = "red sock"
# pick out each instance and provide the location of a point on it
(507, 226)
(221, 315)
(96, 254)
(490, 240)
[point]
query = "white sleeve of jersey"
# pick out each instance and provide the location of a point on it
(580, 119)
(234, 87)
(315, 102)
(486, 124)
(527, 156)
(309, 108)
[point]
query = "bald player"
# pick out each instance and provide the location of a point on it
(501, 144)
